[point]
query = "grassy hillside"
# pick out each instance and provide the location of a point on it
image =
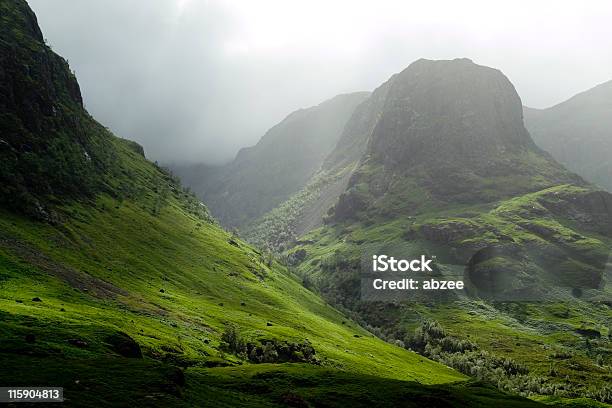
(564, 346)
(172, 282)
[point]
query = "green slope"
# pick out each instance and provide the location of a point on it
(565, 346)
(106, 267)
(101, 272)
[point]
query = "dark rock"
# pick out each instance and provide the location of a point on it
(176, 375)
(268, 324)
(347, 207)
(591, 333)
(490, 271)
(78, 343)
(162, 291)
(293, 400)
(36, 299)
(18, 300)
(124, 345)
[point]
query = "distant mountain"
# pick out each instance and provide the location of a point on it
(455, 129)
(578, 133)
(286, 157)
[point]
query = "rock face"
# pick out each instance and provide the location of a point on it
(438, 133)
(444, 111)
(578, 133)
(264, 175)
(124, 345)
(49, 146)
(451, 130)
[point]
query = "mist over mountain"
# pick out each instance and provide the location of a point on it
(456, 130)
(578, 133)
(451, 131)
(264, 175)
(182, 67)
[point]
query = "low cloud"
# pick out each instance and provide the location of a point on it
(195, 80)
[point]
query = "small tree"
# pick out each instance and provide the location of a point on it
(232, 340)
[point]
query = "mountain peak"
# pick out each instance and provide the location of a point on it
(449, 109)
(450, 129)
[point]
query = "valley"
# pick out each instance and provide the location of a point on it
(130, 284)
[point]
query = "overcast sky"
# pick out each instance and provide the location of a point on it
(195, 80)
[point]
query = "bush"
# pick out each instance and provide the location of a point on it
(232, 341)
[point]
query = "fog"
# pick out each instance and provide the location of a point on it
(195, 80)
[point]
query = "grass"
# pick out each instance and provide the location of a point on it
(530, 333)
(102, 271)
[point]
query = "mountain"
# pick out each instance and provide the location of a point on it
(455, 130)
(440, 164)
(264, 175)
(450, 130)
(49, 146)
(117, 285)
(578, 133)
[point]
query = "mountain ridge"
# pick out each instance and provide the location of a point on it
(578, 132)
(266, 174)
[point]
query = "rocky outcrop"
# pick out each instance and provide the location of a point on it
(49, 146)
(450, 130)
(592, 210)
(445, 111)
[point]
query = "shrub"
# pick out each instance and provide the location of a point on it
(232, 340)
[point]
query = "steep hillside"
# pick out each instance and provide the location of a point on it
(50, 148)
(450, 171)
(305, 209)
(578, 133)
(265, 175)
(117, 285)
